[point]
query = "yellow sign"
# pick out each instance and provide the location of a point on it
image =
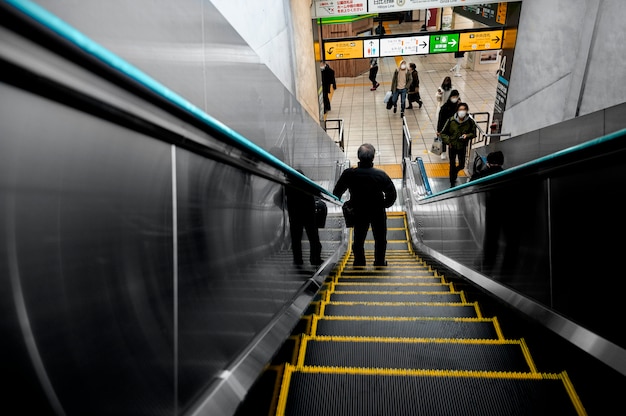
(501, 15)
(343, 50)
(480, 41)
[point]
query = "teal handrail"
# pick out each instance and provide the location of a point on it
(228, 135)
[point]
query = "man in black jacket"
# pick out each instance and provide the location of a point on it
(301, 210)
(371, 192)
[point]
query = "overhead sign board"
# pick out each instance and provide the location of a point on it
(409, 45)
(371, 48)
(444, 43)
(326, 8)
(480, 41)
(343, 50)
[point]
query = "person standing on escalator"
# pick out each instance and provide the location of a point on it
(371, 192)
(301, 211)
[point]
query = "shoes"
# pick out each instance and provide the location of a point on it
(420, 104)
(402, 114)
(457, 75)
(377, 85)
(372, 89)
(443, 156)
(410, 107)
(395, 109)
(377, 264)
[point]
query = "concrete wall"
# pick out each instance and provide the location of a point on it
(569, 61)
(280, 32)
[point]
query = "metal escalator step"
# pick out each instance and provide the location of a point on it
(461, 328)
(312, 392)
(397, 287)
(424, 354)
(386, 272)
(400, 310)
(389, 279)
(395, 297)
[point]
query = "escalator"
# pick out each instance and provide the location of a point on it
(400, 340)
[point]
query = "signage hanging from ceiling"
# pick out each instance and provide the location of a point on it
(326, 8)
(414, 44)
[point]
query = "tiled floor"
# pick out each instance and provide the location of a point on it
(366, 119)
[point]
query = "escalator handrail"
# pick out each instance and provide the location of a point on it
(220, 131)
(540, 162)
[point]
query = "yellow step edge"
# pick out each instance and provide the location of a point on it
(396, 340)
(290, 369)
(316, 318)
(383, 292)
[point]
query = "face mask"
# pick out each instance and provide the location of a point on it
(462, 113)
(322, 68)
(454, 100)
(402, 66)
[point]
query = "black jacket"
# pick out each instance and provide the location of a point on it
(370, 189)
(446, 111)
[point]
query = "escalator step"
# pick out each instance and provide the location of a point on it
(409, 328)
(395, 297)
(401, 310)
(389, 279)
(467, 355)
(318, 393)
(398, 287)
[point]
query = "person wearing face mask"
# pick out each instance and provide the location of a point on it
(328, 79)
(446, 111)
(399, 83)
(456, 133)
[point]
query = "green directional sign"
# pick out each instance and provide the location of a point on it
(448, 42)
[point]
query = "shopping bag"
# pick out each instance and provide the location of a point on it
(436, 146)
(387, 97)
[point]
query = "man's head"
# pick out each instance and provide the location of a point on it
(495, 158)
(366, 153)
(412, 66)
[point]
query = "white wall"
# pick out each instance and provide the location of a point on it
(569, 60)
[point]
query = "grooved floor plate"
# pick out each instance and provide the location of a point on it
(374, 395)
(417, 355)
(478, 329)
(407, 310)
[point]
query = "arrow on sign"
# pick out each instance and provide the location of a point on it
(497, 39)
(452, 42)
(423, 44)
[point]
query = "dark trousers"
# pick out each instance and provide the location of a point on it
(373, 73)
(296, 226)
(455, 154)
(326, 99)
(378, 221)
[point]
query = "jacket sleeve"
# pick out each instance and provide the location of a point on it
(342, 186)
(441, 120)
(472, 133)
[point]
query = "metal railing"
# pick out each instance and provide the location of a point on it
(406, 147)
(339, 128)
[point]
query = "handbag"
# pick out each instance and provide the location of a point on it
(436, 147)
(349, 214)
(387, 97)
(321, 211)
